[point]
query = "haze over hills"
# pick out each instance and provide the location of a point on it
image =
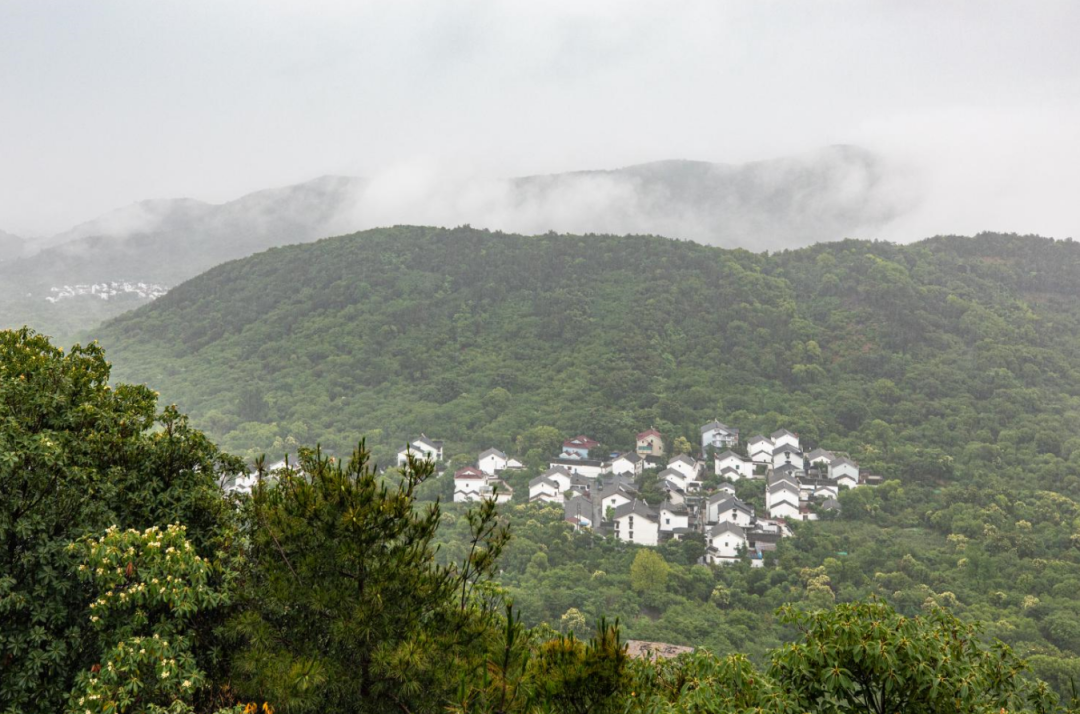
(11, 246)
(829, 194)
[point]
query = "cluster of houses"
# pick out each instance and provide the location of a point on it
(600, 493)
(104, 291)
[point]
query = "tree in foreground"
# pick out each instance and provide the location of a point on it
(349, 611)
(78, 456)
(866, 657)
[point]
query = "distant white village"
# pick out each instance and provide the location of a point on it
(106, 291)
(600, 494)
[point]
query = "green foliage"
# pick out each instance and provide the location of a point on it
(348, 609)
(649, 572)
(867, 657)
(78, 456)
(582, 678)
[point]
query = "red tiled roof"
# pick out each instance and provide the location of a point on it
(469, 472)
(649, 432)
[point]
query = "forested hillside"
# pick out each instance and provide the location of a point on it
(950, 346)
(951, 367)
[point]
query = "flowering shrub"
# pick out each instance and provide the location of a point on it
(149, 584)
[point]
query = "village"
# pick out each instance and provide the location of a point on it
(105, 291)
(697, 496)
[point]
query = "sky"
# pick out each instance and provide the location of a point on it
(109, 102)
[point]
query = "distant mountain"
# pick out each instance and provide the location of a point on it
(835, 193)
(825, 195)
(11, 246)
(163, 242)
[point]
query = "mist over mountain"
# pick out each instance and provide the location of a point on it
(830, 194)
(11, 246)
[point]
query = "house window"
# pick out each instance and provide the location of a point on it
(667, 521)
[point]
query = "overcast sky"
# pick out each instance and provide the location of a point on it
(103, 103)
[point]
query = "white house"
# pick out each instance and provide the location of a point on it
(725, 488)
(629, 463)
(730, 510)
(787, 455)
(491, 462)
(421, 448)
(785, 507)
(782, 497)
(468, 484)
(782, 437)
(636, 522)
(687, 465)
(719, 436)
(725, 541)
(820, 456)
(673, 493)
(589, 468)
(845, 472)
(613, 499)
(512, 463)
(673, 516)
(675, 478)
(760, 450)
(740, 465)
(544, 489)
(560, 476)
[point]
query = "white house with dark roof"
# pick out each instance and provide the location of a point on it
(741, 466)
(545, 489)
(491, 461)
(845, 472)
(672, 492)
(719, 436)
(590, 468)
(675, 477)
(787, 455)
(629, 463)
(782, 437)
(421, 448)
(611, 499)
(725, 541)
(820, 456)
(687, 465)
(636, 522)
(560, 476)
(760, 450)
(673, 516)
(731, 510)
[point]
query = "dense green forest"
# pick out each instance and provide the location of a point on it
(950, 366)
(131, 584)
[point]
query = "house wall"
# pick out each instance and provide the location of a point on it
(650, 446)
(491, 464)
(637, 529)
(670, 521)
